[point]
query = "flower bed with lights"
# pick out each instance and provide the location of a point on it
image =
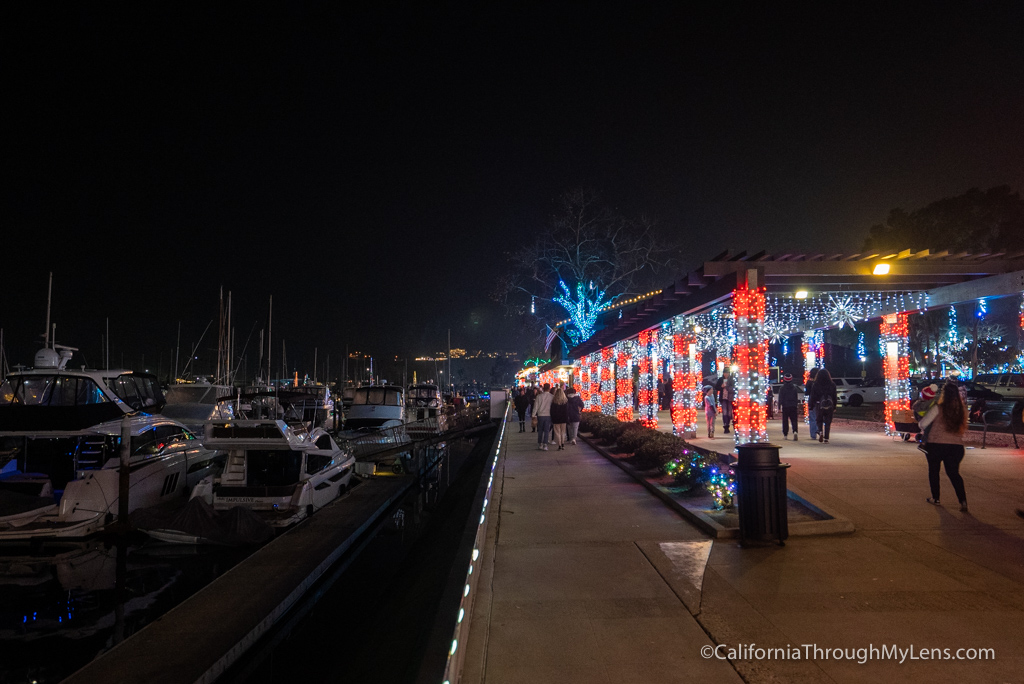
(690, 469)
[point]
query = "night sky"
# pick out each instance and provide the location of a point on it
(369, 168)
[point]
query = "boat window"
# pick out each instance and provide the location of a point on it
(89, 393)
(1016, 380)
(145, 443)
(317, 462)
(986, 378)
(324, 442)
(6, 393)
(272, 468)
(1003, 380)
(423, 393)
(124, 387)
(394, 398)
(168, 434)
(34, 391)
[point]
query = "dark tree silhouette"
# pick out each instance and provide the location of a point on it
(588, 257)
(976, 221)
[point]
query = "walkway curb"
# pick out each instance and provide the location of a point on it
(835, 524)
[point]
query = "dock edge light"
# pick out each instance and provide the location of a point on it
(881, 269)
(801, 294)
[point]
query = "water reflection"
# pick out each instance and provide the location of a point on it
(63, 604)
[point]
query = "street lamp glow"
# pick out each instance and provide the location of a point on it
(881, 269)
(801, 294)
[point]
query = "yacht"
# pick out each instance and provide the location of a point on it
(196, 403)
(376, 407)
(425, 409)
(283, 472)
(166, 461)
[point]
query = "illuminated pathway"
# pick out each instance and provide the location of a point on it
(594, 580)
(587, 578)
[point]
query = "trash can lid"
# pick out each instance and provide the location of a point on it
(758, 454)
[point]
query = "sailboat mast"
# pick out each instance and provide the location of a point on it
(49, 295)
(270, 323)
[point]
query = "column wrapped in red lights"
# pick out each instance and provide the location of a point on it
(623, 382)
(807, 353)
(647, 392)
(896, 366)
(685, 380)
(751, 352)
(583, 366)
(608, 381)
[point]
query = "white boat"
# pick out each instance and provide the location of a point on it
(282, 472)
(425, 410)
(376, 407)
(165, 462)
(196, 403)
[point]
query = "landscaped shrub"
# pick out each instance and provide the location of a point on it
(691, 467)
(633, 437)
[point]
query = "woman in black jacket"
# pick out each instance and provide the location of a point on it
(521, 402)
(559, 416)
(824, 398)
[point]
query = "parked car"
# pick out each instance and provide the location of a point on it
(855, 391)
(976, 391)
(1010, 385)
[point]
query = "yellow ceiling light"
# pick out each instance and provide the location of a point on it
(881, 269)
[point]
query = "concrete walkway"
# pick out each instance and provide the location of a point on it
(594, 580)
(574, 597)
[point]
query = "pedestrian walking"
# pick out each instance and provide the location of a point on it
(575, 407)
(726, 390)
(531, 395)
(710, 409)
(559, 416)
(824, 397)
(789, 404)
(521, 403)
(769, 403)
(944, 426)
(542, 409)
(812, 418)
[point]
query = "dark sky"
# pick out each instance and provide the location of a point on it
(369, 168)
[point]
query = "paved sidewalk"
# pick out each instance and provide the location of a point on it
(594, 580)
(574, 597)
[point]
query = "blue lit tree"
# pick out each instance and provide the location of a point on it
(587, 258)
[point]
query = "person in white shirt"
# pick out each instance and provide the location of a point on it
(542, 409)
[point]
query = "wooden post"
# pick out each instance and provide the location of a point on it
(123, 479)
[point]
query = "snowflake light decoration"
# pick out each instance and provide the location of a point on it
(775, 331)
(843, 311)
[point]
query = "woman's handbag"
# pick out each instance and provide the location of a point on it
(533, 421)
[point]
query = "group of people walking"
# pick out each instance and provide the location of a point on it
(822, 399)
(821, 393)
(553, 413)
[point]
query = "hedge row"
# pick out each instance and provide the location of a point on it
(691, 467)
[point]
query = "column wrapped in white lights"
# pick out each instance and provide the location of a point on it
(608, 381)
(751, 353)
(685, 379)
(594, 404)
(895, 344)
(623, 382)
(647, 364)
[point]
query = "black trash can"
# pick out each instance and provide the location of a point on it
(761, 493)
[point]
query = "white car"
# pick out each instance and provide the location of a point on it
(855, 391)
(1010, 385)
